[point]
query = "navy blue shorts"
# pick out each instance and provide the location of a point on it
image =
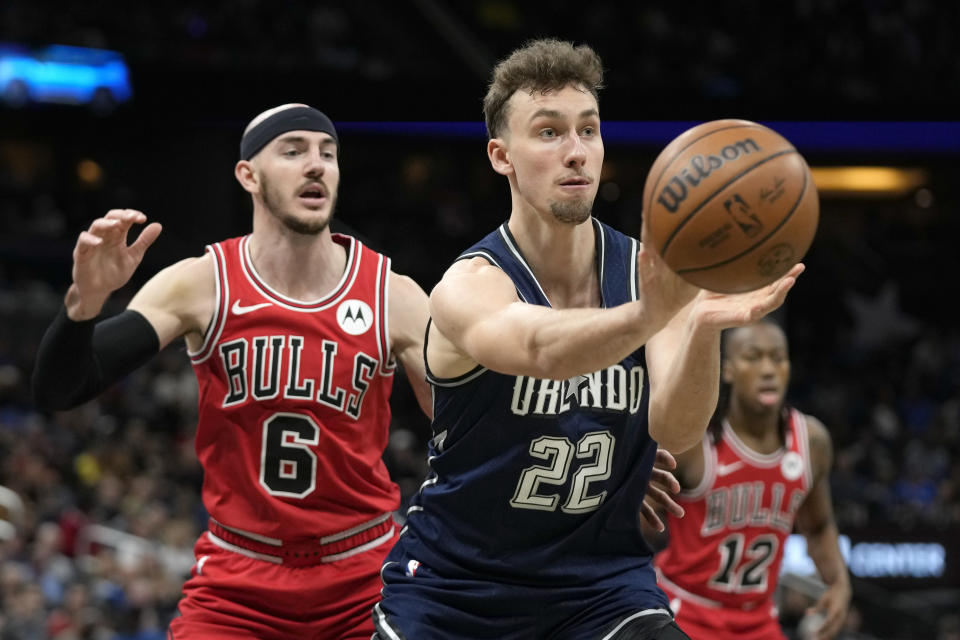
(425, 606)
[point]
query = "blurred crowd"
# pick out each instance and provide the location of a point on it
(99, 506)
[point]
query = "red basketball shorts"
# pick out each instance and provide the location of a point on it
(232, 595)
(702, 619)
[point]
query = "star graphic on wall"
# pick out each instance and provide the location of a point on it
(879, 321)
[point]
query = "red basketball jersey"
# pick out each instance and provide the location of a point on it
(293, 400)
(727, 549)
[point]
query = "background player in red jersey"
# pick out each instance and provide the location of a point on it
(760, 468)
(294, 333)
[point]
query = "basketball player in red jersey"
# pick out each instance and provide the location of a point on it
(294, 333)
(757, 472)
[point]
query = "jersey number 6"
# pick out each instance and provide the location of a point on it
(287, 465)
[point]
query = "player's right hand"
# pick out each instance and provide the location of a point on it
(662, 292)
(103, 262)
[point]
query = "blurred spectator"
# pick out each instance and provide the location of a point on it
(99, 506)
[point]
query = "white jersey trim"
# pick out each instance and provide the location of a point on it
(799, 424)
(223, 544)
(387, 363)
(354, 530)
(709, 472)
(598, 231)
(220, 310)
(762, 460)
(523, 263)
(253, 536)
(639, 614)
(376, 542)
(684, 594)
(343, 286)
(382, 624)
(456, 382)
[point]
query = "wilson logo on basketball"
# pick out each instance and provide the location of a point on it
(700, 168)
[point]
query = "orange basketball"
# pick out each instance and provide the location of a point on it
(730, 205)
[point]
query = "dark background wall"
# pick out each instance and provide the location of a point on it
(876, 349)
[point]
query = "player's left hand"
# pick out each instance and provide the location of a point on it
(662, 485)
(833, 605)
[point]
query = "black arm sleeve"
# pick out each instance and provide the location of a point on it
(76, 361)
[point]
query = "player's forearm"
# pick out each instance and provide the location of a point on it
(686, 394)
(76, 361)
(568, 342)
(824, 549)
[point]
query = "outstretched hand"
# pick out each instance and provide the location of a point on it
(726, 310)
(658, 496)
(103, 262)
(665, 292)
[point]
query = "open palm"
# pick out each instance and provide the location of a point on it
(725, 310)
(102, 260)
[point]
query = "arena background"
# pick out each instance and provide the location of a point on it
(101, 506)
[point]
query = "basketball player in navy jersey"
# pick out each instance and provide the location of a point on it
(294, 333)
(560, 353)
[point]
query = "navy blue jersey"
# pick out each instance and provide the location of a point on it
(535, 481)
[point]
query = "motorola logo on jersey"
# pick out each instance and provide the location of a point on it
(612, 389)
(354, 316)
(792, 465)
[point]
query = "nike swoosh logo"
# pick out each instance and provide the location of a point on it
(239, 310)
(727, 469)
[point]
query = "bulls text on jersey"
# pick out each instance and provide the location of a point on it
(741, 505)
(263, 367)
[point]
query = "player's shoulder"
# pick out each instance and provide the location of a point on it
(474, 266)
(187, 278)
(475, 276)
(820, 444)
(192, 271)
(403, 284)
(816, 431)
(408, 304)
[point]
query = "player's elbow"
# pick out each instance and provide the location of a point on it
(47, 395)
(675, 435)
(675, 444)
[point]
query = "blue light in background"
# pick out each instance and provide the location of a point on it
(63, 74)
